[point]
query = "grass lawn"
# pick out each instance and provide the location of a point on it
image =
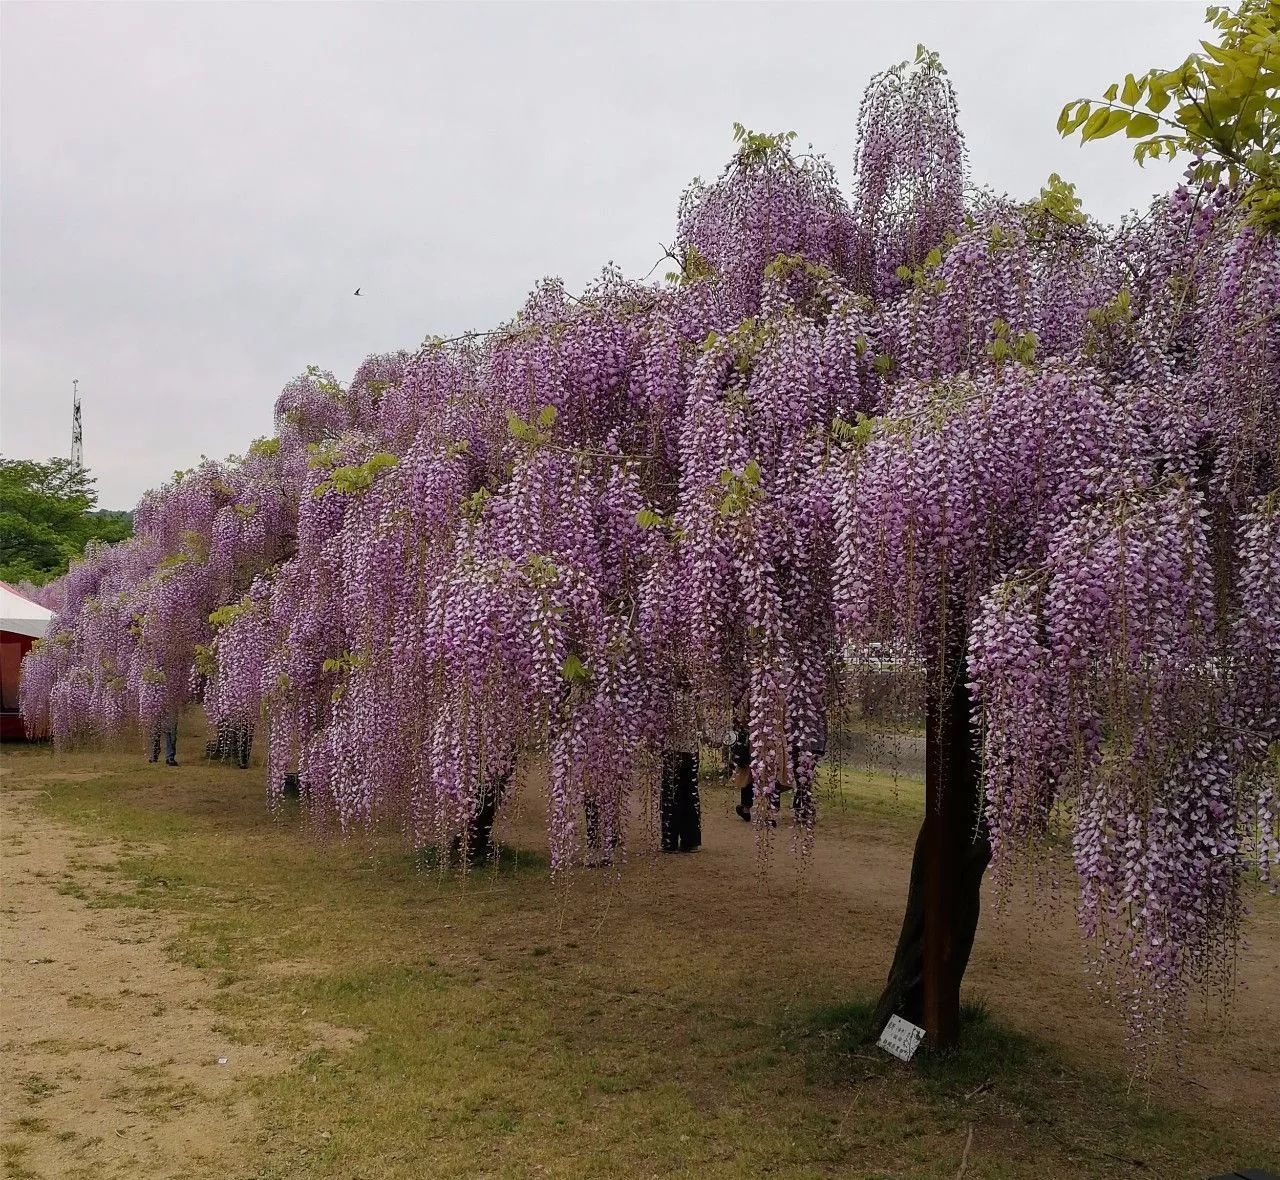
(686, 1016)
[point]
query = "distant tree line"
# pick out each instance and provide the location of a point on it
(48, 513)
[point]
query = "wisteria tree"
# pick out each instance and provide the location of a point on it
(1021, 458)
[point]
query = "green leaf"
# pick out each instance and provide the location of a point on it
(1141, 125)
(1112, 121)
(1132, 90)
(573, 668)
(519, 429)
(1082, 113)
(546, 417)
(1094, 124)
(751, 473)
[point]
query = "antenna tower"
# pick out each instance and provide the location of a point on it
(77, 433)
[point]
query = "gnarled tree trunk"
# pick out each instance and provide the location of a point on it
(951, 855)
(477, 845)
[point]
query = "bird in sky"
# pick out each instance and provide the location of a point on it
(357, 290)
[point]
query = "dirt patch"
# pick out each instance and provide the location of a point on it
(115, 1065)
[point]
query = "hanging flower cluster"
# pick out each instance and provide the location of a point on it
(920, 422)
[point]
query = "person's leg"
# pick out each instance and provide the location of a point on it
(171, 743)
(741, 759)
(691, 810)
(669, 802)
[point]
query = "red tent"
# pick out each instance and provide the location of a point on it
(22, 622)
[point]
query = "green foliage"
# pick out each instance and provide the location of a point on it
(755, 147)
(647, 518)
(923, 277)
(857, 433)
(265, 447)
(693, 267)
(542, 571)
(342, 667)
(787, 264)
(232, 611)
(535, 432)
(573, 669)
(1003, 347)
(348, 661)
(741, 489)
(1107, 322)
(1222, 105)
(47, 516)
(746, 340)
(473, 505)
(1057, 203)
(322, 454)
(206, 659)
(1000, 238)
(356, 478)
(929, 59)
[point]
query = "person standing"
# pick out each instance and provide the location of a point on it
(168, 729)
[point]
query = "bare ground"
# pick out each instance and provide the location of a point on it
(113, 1046)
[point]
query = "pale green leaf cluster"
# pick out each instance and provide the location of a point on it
(535, 432)
(1222, 105)
(266, 447)
(755, 147)
(741, 489)
(924, 277)
(1004, 346)
(857, 433)
(356, 477)
(573, 669)
(1058, 202)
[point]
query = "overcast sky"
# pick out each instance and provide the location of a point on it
(190, 193)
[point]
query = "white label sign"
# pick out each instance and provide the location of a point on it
(901, 1038)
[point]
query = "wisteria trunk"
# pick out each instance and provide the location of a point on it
(951, 855)
(478, 846)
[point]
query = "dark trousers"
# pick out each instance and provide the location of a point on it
(169, 731)
(747, 796)
(680, 806)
